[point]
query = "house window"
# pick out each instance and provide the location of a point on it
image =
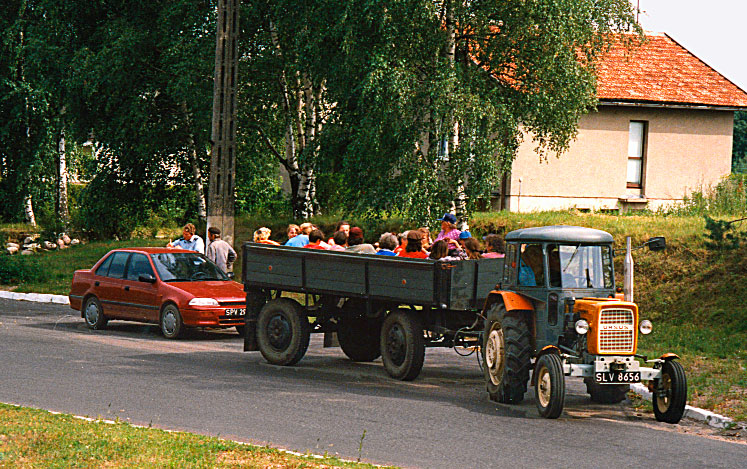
(636, 151)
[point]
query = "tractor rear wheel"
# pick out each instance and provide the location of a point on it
(507, 352)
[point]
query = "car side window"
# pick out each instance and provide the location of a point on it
(139, 264)
(117, 267)
(103, 269)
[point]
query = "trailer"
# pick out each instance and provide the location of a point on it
(377, 305)
(549, 309)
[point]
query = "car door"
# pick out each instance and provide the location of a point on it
(110, 288)
(140, 296)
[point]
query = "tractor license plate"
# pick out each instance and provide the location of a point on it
(617, 377)
(236, 312)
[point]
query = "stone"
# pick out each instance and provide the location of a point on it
(60, 243)
(12, 249)
(48, 245)
(26, 253)
(66, 239)
(74, 242)
(12, 245)
(28, 240)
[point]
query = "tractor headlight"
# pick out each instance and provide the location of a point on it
(645, 327)
(582, 327)
(203, 302)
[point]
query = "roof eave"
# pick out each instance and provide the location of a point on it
(655, 104)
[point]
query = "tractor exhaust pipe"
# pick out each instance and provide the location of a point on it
(628, 282)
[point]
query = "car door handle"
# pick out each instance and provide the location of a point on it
(96, 283)
(127, 288)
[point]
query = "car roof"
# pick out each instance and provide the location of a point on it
(153, 250)
(560, 234)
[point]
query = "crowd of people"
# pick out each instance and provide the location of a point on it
(449, 244)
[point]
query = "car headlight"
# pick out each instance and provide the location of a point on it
(645, 327)
(582, 327)
(203, 302)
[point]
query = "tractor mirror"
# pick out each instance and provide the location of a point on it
(658, 243)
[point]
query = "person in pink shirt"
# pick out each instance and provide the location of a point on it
(448, 228)
(340, 241)
(494, 246)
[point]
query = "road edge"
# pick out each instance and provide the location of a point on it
(711, 418)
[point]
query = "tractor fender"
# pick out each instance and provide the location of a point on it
(511, 300)
(669, 356)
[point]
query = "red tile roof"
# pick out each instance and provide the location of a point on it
(662, 71)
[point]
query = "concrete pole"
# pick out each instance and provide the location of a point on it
(221, 187)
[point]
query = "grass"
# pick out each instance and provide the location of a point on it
(38, 438)
(693, 295)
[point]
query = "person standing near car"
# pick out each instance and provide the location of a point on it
(189, 240)
(219, 251)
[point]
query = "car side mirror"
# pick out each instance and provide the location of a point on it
(147, 278)
(658, 243)
(231, 275)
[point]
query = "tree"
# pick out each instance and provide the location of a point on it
(739, 148)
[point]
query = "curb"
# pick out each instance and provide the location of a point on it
(35, 297)
(702, 415)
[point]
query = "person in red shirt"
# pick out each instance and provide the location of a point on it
(414, 248)
(315, 240)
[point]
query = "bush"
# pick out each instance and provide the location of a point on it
(728, 197)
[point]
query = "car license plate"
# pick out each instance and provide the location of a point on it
(617, 377)
(236, 312)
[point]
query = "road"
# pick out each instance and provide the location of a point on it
(205, 384)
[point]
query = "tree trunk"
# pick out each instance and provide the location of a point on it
(63, 215)
(28, 211)
(195, 164)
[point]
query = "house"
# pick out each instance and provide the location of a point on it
(663, 128)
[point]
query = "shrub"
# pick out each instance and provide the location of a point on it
(16, 270)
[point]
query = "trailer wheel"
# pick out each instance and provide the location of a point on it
(402, 344)
(507, 352)
(606, 393)
(283, 332)
(670, 393)
(359, 337)
(549, 389)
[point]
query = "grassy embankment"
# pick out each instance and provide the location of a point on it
(37, 438)
(694, 296)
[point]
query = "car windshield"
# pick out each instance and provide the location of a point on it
(580, 266)
(186, 267)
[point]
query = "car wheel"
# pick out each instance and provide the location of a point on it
(402, 344)
(171, 323)
(283, 332)
(670, 393)
(94, 314)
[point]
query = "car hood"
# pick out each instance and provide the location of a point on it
(218, 289)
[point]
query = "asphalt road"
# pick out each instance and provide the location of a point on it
(206, 384)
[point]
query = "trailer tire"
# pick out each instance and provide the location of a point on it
(549, 388)
(283, 332)
(670, 393)
(507, 352)
(359, 337)
(402, 344)
(606, 393)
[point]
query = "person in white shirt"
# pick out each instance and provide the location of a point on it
(189, 240)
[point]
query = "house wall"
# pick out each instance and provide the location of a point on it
(685, 150)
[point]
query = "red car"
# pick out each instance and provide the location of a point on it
(174, 288)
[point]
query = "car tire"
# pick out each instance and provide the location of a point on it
(283, 332)
(670, 393)
(172, 326)
(549, 386)
(606, 393)
(507, 352)
(402, 344)
(93, 314)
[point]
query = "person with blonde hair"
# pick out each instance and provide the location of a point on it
(302, 239)
(189, 240)
(262, 235)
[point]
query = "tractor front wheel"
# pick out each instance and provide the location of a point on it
(670, 393)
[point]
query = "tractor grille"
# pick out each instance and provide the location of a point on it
(616, 331)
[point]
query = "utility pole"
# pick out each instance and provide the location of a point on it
(221, 206)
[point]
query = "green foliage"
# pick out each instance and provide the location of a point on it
(19, 269)
(720, 235)
(739, 147)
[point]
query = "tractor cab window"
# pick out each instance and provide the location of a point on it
(580, 266)
(531, 268)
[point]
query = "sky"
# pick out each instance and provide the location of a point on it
(714, 30)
